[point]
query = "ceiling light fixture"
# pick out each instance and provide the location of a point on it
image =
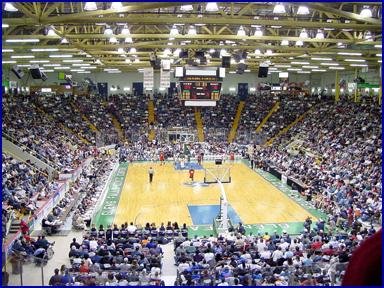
(258, 32)
(22, 56)
(125, 30)
(257, 51)
(112, 39)
(211, 7)
(128, 40)
(269, 52)
(366, 12)
(299, 43)
(61, 56)
(22, 40)
(320, 58)
(303, 10)
(279, 8)
(303, 34)
(90, 6)
(241, 32)
(320, 34)
(10, 8)
(284, 42)
(8, 50)
(186, 8)
(45, 49)
(116, 6)
(120, 50)
(108, 31)
(174, 31)
(192, 31)
(73, 60)
(64, 41)
(4, 25)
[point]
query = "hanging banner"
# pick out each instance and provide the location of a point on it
(165, 79)
(148, 77)
(12, 84)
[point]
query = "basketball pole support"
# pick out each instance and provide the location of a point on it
(223, 215)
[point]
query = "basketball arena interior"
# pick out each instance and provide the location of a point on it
(191, 144)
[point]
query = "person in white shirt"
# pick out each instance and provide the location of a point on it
(131, 229)
(182, 266)
(266, 254)
(208, 256)
(284, 245)
(277, 254)
(261, 245)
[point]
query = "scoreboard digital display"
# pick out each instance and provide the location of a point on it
(200, 88)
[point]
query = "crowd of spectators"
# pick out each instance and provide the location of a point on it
(41, 136)
(94, 110)
(169, 114)
(218, 120)
(244, 259)
(132, 114)
(348, 176)
(255, 109)
(290, 109)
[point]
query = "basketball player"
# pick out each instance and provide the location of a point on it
(199, 159)
(191, 174)
(232, 157)
(162, 158)
(131, 159)
(182, 164)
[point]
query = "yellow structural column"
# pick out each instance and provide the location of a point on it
(337, 87)
(356, 91)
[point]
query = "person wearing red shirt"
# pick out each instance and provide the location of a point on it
(24, 227)
(199, 160)
(365, 265)
(316, 245)
(162, 158)
(191, 174)
(83, 268)
(232, 157)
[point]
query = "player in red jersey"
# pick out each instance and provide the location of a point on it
(191, 174)
(161, 158)
(199, 159)
(232, 157)
(131, 159)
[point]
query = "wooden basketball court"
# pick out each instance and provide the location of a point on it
(170, 195)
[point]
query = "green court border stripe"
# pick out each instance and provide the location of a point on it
(107, 212)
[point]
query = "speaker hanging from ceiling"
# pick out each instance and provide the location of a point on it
(18, 72)
(35, 71)
(263, 71)
(226, 62)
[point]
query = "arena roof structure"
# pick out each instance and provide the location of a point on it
(295, 36)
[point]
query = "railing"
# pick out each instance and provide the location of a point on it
(33, 152)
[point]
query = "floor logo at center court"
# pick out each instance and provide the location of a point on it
(196, 184)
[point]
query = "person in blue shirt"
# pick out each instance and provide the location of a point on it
(65, 278)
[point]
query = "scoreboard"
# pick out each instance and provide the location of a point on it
(200, 88)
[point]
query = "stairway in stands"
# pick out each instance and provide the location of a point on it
(60, 124)
(118, 127)
(289, 126)
(93, 127)
(266, 117)
(199, 125)
(151, 119)
(232, 134)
